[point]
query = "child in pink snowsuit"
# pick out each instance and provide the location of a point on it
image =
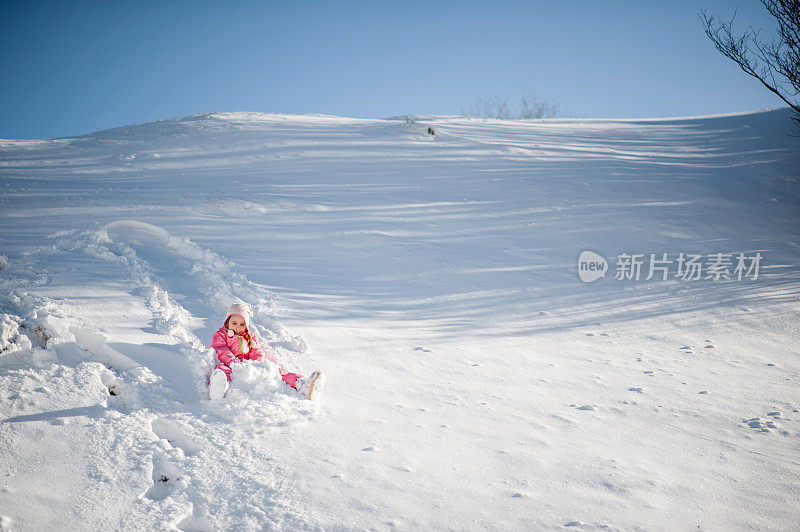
(234, 342)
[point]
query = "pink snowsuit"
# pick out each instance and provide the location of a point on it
(232, 349)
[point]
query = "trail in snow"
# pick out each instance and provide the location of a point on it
(148, 402)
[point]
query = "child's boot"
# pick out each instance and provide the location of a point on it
(311, 386)
(217, 384)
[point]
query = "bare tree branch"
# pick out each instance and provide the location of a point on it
(775, 64)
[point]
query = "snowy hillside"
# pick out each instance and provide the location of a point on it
(474, 380)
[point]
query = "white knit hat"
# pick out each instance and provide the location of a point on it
(243, 310)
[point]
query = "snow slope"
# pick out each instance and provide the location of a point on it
(474, 381)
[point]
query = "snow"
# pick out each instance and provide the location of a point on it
(474, 382)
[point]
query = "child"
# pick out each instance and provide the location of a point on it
(234, 342)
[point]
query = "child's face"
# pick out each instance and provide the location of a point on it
(236, 324)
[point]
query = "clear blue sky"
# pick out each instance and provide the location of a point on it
(70, 67)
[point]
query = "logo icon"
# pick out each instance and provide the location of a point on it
(591, 266)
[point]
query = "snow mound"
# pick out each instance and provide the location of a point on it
(147, 401)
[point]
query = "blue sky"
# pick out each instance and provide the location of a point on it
(70, 68)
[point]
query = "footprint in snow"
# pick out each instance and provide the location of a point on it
(590, 408)
(423, 349)
(766, 425)
(166, 477)
(170, 431)
(637, 390)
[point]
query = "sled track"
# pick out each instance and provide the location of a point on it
(139, 425)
